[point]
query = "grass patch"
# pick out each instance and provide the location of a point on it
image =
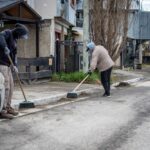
(75, 77)
(79, 76)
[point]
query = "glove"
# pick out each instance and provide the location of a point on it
(89, 72)
(6, 51)
(15, 69)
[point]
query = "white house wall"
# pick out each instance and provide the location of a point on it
(135, 5)
(45, 39)
(31, 3)
(27, 48)
(46, 8)
(72, 15)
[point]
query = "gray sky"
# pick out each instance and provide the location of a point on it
(146, 5)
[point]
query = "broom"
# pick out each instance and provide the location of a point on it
(73, 94)
(25, 103)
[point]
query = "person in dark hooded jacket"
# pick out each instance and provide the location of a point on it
(8, 46)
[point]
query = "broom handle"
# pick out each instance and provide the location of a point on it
(17, 78)
(80, 83)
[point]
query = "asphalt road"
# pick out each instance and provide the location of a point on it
(121, 122)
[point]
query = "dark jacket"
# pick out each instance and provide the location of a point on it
(7, 40)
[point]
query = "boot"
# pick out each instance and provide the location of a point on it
(5, 115)
(11, 111)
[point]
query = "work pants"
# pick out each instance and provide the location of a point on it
(105, 80)
(9, 86)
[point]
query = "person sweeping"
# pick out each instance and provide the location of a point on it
(101, 60)
(8, 48)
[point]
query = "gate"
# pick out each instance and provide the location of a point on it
(67, 56)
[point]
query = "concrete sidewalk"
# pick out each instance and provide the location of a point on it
(49, 92)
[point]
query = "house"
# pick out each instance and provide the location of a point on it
(50, 23)
(138, 36)
(58, 18)
(15, 11)
(139, 28)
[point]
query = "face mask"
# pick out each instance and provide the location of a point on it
(24, 37)
(90, 51)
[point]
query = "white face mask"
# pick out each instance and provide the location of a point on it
(90, 51)
(24, 37)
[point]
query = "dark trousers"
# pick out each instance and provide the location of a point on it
(105, 80)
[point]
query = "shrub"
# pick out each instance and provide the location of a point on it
(74, 77)
(55, 77)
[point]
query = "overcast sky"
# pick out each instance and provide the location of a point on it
(146, 5)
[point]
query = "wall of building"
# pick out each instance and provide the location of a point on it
(133, 25)
(72, 15)
(79, 5)
(45, 39)
(27, 48)
(46, 8)
(144, 28)
(31, 3)
(139, 25)
(67, 10)
(61, 29)
(135, 4)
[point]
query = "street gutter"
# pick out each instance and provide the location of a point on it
(44, 104)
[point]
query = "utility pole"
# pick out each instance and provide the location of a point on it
(140, 37)
(85, 34)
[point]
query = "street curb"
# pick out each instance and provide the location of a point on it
(58, 97)
(55, 98)
(131, 81)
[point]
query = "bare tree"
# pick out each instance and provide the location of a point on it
(109, 24)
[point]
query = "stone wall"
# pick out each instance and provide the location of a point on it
(27, 48)
(44, 40)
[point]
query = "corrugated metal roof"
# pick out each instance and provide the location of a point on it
(139, 27)
(144, 28)
(6, 3)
